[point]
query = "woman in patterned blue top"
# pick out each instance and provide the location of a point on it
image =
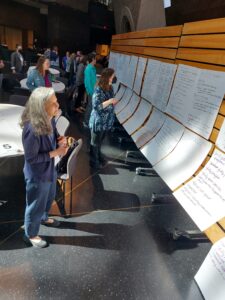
(102, 115)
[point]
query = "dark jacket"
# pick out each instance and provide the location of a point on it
(38, 164)
(80, 74)
(16, 62)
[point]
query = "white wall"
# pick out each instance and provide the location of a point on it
(142, 14)
(151, 14)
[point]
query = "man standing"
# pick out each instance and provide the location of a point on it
(17, 60)
(89, 82)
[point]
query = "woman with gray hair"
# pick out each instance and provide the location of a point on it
(42, 144)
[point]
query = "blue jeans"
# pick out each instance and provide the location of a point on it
(39, 198)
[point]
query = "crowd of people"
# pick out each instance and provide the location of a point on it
(39, 127)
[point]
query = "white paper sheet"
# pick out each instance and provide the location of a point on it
(204, 196)
(196, 98)
(119, 66)
(112, 58)
(116, 86)
(139, 74)
(211, 275)
(128, 111)
(150, 129)
(131, 71)
(220, 142)
(184, 161)
(124, 101)
(125, 62)
(158, 83)
(120, 92)
(182, 92)
(137, 120)
(164, 142)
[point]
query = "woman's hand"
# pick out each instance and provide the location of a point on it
(60, 151)
(111, 101)
(62, 141)
(1, 64)
(114, 101)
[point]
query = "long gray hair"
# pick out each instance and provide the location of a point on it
(35, 112)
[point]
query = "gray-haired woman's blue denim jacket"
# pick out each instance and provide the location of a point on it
(35, 79)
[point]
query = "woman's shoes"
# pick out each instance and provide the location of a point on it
(36, 242)
(51, 223)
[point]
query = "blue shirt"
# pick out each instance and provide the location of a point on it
(101, 119)
(38, 164)
(90, 79)
(35, 79)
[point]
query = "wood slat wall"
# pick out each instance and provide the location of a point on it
(155, 43)
(199, 44)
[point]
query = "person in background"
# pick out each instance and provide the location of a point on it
(79, 56)
(17, 60)
(54, 57)
(42, 144)
(40, 76)
(65, 60)
(102, 115)
(36, 46)
(1, 65)
(70, 69)
(90, 79)
(80, 84)
(47, 53)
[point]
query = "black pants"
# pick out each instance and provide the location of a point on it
(80, 95)
(88, 110)
(95, 149)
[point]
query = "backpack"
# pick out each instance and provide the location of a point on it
(61, 166)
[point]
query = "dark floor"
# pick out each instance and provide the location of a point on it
(119, 248)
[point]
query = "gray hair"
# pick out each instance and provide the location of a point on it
(35, 112)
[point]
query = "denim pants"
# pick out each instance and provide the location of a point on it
(39, 198)
(88, 110)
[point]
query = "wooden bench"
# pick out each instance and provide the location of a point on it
(200, 44)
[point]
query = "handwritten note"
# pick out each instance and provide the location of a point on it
(139, 74)
(211, 275)
(220, 142)
(139, 117)
(125, 62)
(150, 129)
(164, 142)
(204, 196)
(131, 71)
(120, 92)
(196, 98)
(158, 83)
(124, 101)
(184, 160)
(112, 58)
(128, 111)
